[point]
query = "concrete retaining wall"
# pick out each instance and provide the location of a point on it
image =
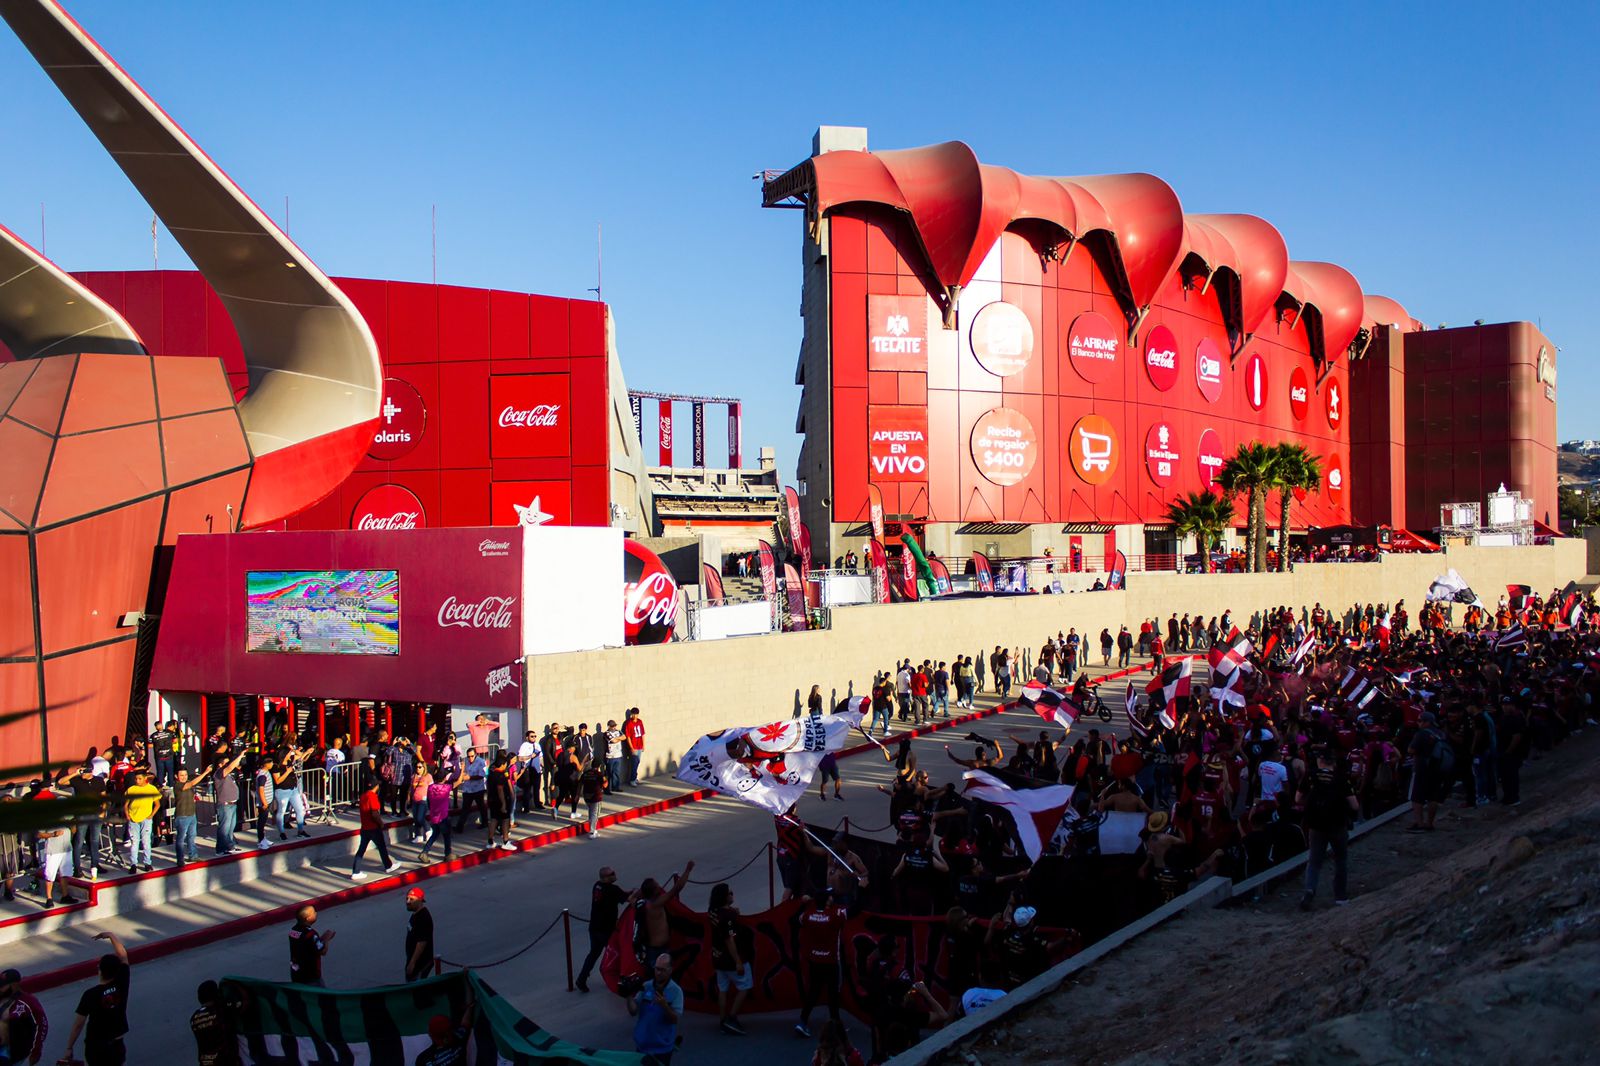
(686, 689)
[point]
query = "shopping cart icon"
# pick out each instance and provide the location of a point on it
(1096, 451)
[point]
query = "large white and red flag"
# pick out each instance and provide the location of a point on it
(766, 766)
(1037, 812)
(1232, 655)
(1050, 704)
(1384, 631)
(1303, 649)
(1173, 682)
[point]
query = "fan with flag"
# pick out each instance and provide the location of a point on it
(1517, 597)
(768, 766)
(1050, 704)
(1232, 655)
(1036, 812)
(1228, 694)
(1303, 649)
(1512, 639)
(1130, 702)
(1358, 687)
(1572, 610)
(1173, 682)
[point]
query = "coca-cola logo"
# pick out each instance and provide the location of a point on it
(385, 508)
(666, 431)
(540, 415)
(652, 601)
(491, 612)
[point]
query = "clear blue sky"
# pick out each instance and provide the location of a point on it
(1444, 153)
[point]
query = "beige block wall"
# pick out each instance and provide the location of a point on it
(686, 690)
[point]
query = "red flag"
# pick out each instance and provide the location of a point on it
(1037, 812)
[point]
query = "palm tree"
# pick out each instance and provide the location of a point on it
(1295, 468)
(1250, 470)
(1204, 514)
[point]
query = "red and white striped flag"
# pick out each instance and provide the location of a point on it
(1050, 704)
(1234, 655)
(1303, 649)
(1173, 683)
(1037, 812)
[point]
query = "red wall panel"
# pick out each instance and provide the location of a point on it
(463, 323)
(413, 323)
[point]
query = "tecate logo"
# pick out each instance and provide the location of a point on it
(398, 520)
(653, 600)
(544, 414)
(491, 612)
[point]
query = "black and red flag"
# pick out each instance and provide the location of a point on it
(1050, 704)
(1232, 655)
(1173, 682)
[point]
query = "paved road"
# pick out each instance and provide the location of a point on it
(490, 912)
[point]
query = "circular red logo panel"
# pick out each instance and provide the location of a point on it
(1255, 380)
(1208, 457)
(1299, 393)
(1334, 476)
(1093, 342)
(1333, 402)
(1208, 369)
(389, 507)
(1161, 358)
(1004, 445)
(1002, 338)
(649, 596)
(1161, 453)
(401, 421)
(1094, 449)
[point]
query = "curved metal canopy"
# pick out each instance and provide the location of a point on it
(45, 311)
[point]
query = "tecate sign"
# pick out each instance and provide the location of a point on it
(897, 332)
(1334, 401)
(388, 507)
(491, 612)
(897, 443)
(1208, 369)
(544, 414)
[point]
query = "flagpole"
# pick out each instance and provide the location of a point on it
(819, 841)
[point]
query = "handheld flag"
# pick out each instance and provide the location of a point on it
(1383, 631)
(1303, 649)
(1172, 683)
(1226, 694)
(1050, 704)
(1036, 812)
(768, 766)
(1227, 658)
(1517, 596)
(1511, 639)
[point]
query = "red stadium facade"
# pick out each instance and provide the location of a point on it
(1004, 356)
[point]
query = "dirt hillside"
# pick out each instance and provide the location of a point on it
(1477, 943)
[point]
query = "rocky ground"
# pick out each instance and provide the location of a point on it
(1477, 943)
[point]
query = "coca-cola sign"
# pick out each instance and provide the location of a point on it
(401, 421)
(388, 507)
(649, 596)
(529, 415)
(491, 612)
(1299, 394)
(1161, 358)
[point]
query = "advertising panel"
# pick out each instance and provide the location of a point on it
(1208, 369)
(1161, 358)
(875, 510)
(1161, 456)
(323, 612)
(1255, 381)
(1209, 457)
(664, 432)
(1094, 449)
(1335, 479)
(1002, 338)
(699, 412)
(530, 416)
(530, 503)
(1004, 446)
(1093, 343)
(403, 420)
(1299, 393)
(897, 443)
(388, 507)
(897, 332)
(1333, 402)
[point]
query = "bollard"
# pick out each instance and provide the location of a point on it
(566, 924)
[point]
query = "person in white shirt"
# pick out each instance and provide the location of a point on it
(334, 755)
(902, 690)
(530, 757)
(1273, 775)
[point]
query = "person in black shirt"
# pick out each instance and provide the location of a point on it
(1329, 803)
(449, 1042)
(214, 1039)
(419, 936)
(102, 1015)
(306, 948)
(605, 902)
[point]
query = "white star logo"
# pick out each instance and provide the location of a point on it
(531, 515)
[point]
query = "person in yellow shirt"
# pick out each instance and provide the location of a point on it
(139, 804)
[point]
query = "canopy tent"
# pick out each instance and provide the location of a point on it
(1403, 540)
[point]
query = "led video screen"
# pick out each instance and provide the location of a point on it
(323, 612)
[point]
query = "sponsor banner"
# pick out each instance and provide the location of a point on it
(1334, 476)
(515, 503)
(710, 583)
(897, 443)
(1002, 338)
(529, 416)
(1093, 344)
(805, 551)
(1255, 380)
(1333, 403)
(699, 412)
(794, 600)
(1161, 455)
(664, 431)
(649, 596)
(791, 500)
(984, 572)
(1004, 446)
(1299, 393)
(401, 421)
(1161, 358)
(1118, 578)
(908, 573)
(1208, 457)
(880, 569)
(769, 570)
(735, 452)
(897, 332)
(875, 509)
(636, 405)
(1208, 369)
(1094, 449)
(388, 507)
(1544, 373)
(941, 577)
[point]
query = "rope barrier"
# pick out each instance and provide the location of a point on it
(736, 873)
(508, 958)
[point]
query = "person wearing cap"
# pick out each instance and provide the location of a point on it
(1018, 945)
(419, 936)
(448, 1040)
(530, 756)
(25, 1017)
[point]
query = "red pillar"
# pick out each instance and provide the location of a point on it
(388, 719)
(261, 722)
(205, 701)
(322, 723)
(233, 716)
(422, 719)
